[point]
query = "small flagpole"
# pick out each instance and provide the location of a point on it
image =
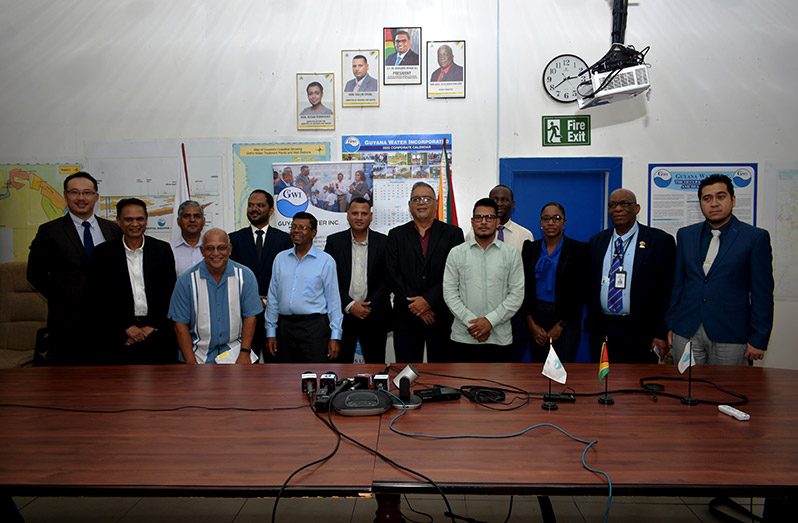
(690, 400)
(548, 404)
(605, 399)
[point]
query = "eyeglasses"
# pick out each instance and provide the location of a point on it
(212, 248)
(299, 227)
(74, 193)
(484, 217)
(421, 199)
(622, 203)
(547, 219)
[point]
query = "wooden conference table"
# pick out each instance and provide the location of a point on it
(253, 439)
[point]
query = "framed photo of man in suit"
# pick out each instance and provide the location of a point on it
(315, 101)
(360, 78)
(446, 69)
(402, 51)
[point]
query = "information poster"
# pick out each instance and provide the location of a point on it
(673, 192)
(252, 168)
(399, 162)
(324, 189)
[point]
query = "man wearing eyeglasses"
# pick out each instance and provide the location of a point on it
(416, 258)
(303, 310)
(214, 306)
(483, 285)
(59, 265)
(630, 277)
(404, 54)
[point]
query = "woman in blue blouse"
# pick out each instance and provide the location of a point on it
(554, 269)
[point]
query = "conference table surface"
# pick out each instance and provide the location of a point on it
(241, 430)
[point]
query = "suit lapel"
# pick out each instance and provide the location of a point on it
(726, 243)
(642, 248)
(71, 233)
(435, 232)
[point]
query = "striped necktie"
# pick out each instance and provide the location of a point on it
(615, 295)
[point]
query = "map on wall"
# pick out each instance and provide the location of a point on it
(252, 168)
(32, 194)
(150, 170)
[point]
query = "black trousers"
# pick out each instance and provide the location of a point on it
(568, 342)
(410, 334)
(372, 334)
(481, 352)
(303, 338)
(625, 341)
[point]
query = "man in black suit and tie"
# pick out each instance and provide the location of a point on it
(359, 255)
(416, 259)
(58, 267)
(256, 247)
(136, 274)
(404, 54)
(630, 277)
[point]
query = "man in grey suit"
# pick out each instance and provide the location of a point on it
(723, 287)
(58, 267)
(362, 82)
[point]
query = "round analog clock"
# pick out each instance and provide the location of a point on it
(562, 76)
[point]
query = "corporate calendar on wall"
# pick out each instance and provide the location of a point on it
(399, 162)
(673, 192)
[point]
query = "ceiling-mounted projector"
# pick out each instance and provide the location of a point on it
(612, 86)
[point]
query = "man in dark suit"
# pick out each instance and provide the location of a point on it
(630, 275)
(136, 274)
(404, 55)
(416, 259)
(363, 81)
(359, 255)
(448, 70)
(256, 247)
(58, 267)
(723, 288)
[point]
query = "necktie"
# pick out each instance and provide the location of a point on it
(398, 59)
(501, 233)
(357, 87)
(88, 241)
(712, 252)
(259, 244)
(615, 295)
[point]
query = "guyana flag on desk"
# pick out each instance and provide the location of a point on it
(604, 362)
(447, 211)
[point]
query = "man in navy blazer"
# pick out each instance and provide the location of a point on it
(404, 51)
(365, 299)
(136, 274)
(245, 242)
(59, 265)
(722, 297)
(632, 320)
(416, 259)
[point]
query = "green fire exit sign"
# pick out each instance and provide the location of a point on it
(566, 130)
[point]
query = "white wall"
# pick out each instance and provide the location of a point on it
(723, 76)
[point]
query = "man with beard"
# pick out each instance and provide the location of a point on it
(256, 247)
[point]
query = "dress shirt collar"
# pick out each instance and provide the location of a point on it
(79, 223)
(255, 230)
(128, 249)
(472, 242)
(355, 242)
(631, 232)
(313, 252)
(724, 229)
(206, 274)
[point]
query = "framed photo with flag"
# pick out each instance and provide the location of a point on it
(402, 52)
(446, 69)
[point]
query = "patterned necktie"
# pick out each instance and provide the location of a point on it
(357, 87)
(712, 252)
(615, 295)
(259, 245)
(501, 233)
(88, 241)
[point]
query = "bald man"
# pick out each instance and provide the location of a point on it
(214, 306)
(631, 274)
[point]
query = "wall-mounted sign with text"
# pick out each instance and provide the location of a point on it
(566, 130)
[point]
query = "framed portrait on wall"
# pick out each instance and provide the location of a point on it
(402, 52)
(360, 78)
(446, 69)
(315, 101)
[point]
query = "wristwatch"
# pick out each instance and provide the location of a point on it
(245, 350)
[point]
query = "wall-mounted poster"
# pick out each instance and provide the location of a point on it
(446, 69)
(315, 101)
(402, 52)
(673, 192)
(361, 87)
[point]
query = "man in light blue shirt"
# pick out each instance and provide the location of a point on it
(303, 311)
(483, 286)
(214, 306)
